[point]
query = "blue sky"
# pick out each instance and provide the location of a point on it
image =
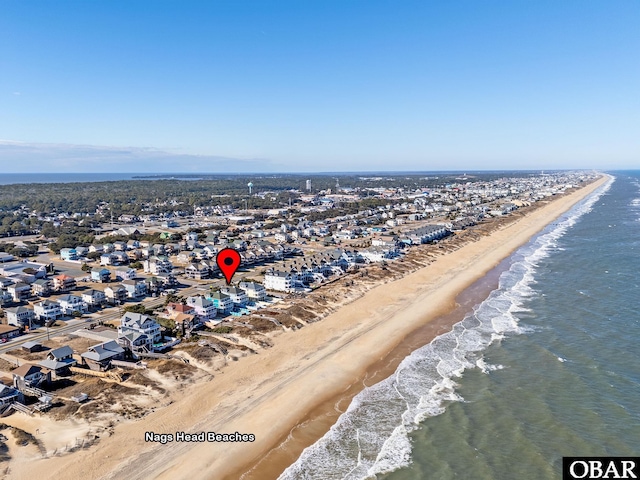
(173, 86)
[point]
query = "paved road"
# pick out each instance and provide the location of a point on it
(41, 334)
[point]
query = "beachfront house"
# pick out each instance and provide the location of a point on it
(132, 322)
(204, 308)
(98, 357)
(254, 291)
(222, 302)
(9, 395)
(59, 360)
(236, 295)
(30, 375)
(279, 281)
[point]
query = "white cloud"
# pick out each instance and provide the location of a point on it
(19, 157)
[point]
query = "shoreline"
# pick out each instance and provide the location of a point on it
(318, 421)
(270, 393)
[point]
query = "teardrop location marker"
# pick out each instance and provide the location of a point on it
(228, 260)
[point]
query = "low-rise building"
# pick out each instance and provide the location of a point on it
(72, 303)
(204, 308)
(19, 291)
(135, 288)
(116, 294)
(94, 298)
(237, 295)
(41, 287)
(254, 291)
(100, 275)
(222, 302)
(278, 281)
(47, 310)
(59, 360)
(63, 283)
(98, 357)
(68, 254)
(19, 316)
(30, 375)
(132, 322)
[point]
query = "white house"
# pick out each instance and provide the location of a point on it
(203, 307)
(72, 303)
(157, 265)
(279, 281)
(47, 310)
(138, 323)
(19, 316)
(93, 297)
(254, 291)
(237, 295)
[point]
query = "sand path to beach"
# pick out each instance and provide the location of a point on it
(268, 393)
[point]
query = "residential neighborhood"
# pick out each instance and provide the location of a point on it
(145, 289)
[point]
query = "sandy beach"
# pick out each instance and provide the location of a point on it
(270, 393)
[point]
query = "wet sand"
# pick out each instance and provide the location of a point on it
(304, 372)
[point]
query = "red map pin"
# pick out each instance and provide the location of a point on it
(228, 260)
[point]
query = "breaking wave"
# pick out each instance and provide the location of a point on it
(372, 436)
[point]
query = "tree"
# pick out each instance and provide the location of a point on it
(85, 267)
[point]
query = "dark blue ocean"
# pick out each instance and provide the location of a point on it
(547, 366)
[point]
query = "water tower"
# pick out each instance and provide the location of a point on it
(250, 185)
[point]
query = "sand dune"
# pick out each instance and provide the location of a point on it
(267, 394)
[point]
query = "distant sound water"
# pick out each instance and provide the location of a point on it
(549, 360)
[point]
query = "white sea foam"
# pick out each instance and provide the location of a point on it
(372, 436)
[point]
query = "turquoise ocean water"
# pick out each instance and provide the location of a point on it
(547, 366)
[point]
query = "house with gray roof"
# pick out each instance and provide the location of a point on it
(132, 322)
(59, 360)
(19, 316)
(98, 357)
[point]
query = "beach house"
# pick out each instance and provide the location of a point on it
(93, 298)
(59, 360)
(132, 322)
(254, 291)
(47, 310)
(222, 302)
(115, 294)
(100, 275)
(98, 357)
(204, 308)
(68, 254)
(237, 296)
(41, 287)
(71, 304)
(30, 375)
(278, 281)
(19, 316)
(63, 283)
(135, 288)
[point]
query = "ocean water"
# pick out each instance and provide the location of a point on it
(547, 366)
